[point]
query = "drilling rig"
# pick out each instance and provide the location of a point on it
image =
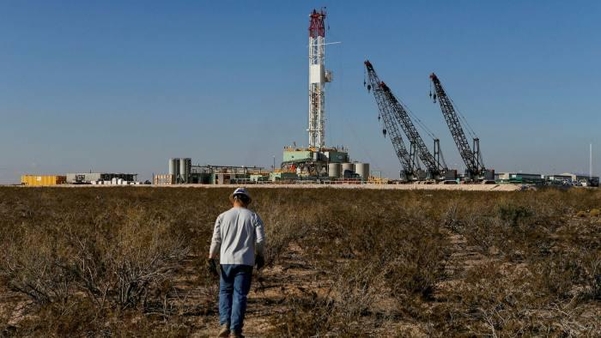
(472, 157)
(393, 112)
(318, 77)
(318, 161)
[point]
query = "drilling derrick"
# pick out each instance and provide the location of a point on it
(318, 161)
(391, 108)
(472, 157)
(318, 76)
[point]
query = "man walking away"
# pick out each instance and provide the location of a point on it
(239, 239)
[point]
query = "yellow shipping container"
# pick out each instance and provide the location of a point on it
(42, 180)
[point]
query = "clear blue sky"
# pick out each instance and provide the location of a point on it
(122, 86)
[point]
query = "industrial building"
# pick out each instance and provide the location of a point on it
(565, 179)
(101, 178)
(182, 171)
(586, 180)
(520, 178)
(579, 179)
(298, 165)
(561, 179)
(327, 163)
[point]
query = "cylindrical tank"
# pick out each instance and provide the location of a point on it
(174, 167)
(347, 169)
(334, 169)
(188, 170)
(185, 165)
(171, 166)
(362, 169)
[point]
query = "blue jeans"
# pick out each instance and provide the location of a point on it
(234, 285)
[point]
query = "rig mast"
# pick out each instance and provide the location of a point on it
(318, 76)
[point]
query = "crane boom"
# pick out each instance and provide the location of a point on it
(410, 167)
(389, 105)
(408, 164)
(471, 158)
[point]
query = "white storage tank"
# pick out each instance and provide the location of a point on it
(347, 169)
(185, 166)
(174, 167)
(362, 169)
(334, 170)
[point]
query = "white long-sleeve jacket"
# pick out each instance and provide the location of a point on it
(238, 235)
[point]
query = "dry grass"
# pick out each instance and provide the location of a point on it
(340, 262)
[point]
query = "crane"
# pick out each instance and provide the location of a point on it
(472, 157)
(391, 108)
(409, 165)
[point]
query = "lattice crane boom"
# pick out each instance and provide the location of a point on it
(471, 157)
(432, 164)
(390, 105)
(392, 126)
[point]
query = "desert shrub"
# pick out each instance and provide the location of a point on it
(484, 233)
(453, 217)
(497, 299)
(119, 265)
(416, 264)
(562, 275)
(310, 315)
(38, 273)
(371, 254)
(512, 228)
(513, 214)
(282, 227)
(337, 310)
(595, 292)
(572, 267)
(116, 255)
(341, 262)
(141, 258)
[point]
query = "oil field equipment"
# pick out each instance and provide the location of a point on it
(318, 76)
(472, 157)
(394, 113)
